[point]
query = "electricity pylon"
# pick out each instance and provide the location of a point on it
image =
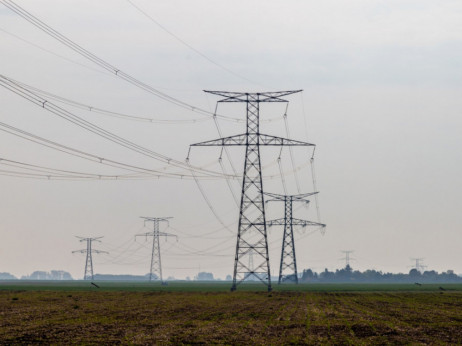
(251, 234)
(418, 264)
(347, 257)
(156, 264)
(89, 260)
(288, 264)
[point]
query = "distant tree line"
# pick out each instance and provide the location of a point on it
(51, 275)
(204, 276)
(347, 274)
(40, 275)
(344, 275)
(7, 276)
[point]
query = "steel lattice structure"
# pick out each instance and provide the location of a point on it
(288, 263)
(156, 263)
(347, 257)
(252, 235)
(89, 260)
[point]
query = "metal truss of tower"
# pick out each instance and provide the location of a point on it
(156, 262)
(252, 235)
(88, 275)
(288, 264)
(88, 263)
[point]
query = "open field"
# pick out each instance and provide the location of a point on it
(208, 313)
(217, 286)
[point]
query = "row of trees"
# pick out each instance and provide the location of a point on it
(347, 274)
(62, 275)
(40, 275)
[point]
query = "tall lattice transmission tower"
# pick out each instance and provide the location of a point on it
(89, 260)
(347, 258)
(252, 233)
(156, 263)
(288, 263)
(419, 266)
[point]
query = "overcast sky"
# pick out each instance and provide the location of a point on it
(382, 82)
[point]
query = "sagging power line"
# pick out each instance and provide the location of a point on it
(82, 123)
(102, 63)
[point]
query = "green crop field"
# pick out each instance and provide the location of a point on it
(192, 312)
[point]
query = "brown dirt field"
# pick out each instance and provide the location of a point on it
(230, 318)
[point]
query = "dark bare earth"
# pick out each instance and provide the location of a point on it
(163, 317)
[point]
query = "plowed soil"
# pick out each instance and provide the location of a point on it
(108, 317)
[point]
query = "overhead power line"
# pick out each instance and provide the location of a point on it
(39, 101)
(291, 152)
(183, 42)
(102, 63)
(20, 89)
(107, 112)
(53, 53)
(50, 173)
(94, 158)
(140, 172)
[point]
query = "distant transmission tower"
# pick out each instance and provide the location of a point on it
(89, 260)
(251, 259)
(418, 264)
(156, 264)
(252, 235)
(288, 264)
(347, 257)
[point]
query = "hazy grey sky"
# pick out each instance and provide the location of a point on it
(382, 84)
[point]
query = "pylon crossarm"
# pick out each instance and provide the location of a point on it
(295, 222)
(92, 239)
(79, 251)
(293, 200)
(278, 141)
(147, 218)
(270, 96)
(239, 140)
(301, 198)
(144, 234)
(150, 234)
(225, 141)
(305, 223)
(99, 251)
